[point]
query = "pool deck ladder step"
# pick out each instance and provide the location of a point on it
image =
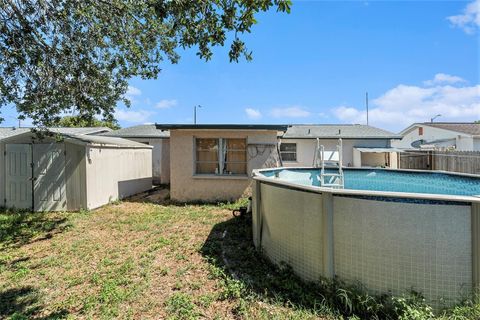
(331, 180)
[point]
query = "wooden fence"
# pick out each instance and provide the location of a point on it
(455, 161)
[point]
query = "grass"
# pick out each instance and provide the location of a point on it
(140, 260)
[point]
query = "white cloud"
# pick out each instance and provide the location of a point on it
(405, 104)
(443, 78)
(290, 112)
(253, 113)
(165, 104)
(140, 116)
(469, 20)
(133, 91)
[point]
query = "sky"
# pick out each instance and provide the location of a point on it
(314, 65)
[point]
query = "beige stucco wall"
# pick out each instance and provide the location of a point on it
(186, 186)
(115, 173)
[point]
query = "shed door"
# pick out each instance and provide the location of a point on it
(18, 176)
(49, 177)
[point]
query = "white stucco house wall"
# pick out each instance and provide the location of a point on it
(157, 138)
(461, 136)
(362, 145)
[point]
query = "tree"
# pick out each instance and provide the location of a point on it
(64, 56)
(79, 122)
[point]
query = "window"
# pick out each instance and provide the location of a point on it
(288, 151)
(420, 131)
(221, 156)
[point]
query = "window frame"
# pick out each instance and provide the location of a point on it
(288, 152)
(221, 163)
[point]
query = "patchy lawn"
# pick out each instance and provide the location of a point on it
(143, 260)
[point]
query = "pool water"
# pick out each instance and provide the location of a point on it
(384, 180)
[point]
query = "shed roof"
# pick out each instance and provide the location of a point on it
(140, 131)
(6, 132)
(273, 127)
(335, 131)
(83, 139)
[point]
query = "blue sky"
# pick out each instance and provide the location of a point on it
(415, 59)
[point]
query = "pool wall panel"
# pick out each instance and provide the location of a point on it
(476, 246)
(291, 229)
(395, 247)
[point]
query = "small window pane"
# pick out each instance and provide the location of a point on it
(206, 167)
(289, 156)
(292, 147)
(288, 151)
(206, 156)
(236, 168)
(236, 156)
(236, 144)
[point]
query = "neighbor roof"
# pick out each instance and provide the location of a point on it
(463, 127)
(335, 131)
(140, 131)
(6, 132)
(275, 127)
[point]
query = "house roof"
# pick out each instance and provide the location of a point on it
(274, 127)
(335, 131)
(6, 132)
(462, 127)
(140, 131)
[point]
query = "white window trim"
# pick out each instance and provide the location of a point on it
(221, 162)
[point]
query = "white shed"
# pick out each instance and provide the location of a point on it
(157, 138)
(71, 172)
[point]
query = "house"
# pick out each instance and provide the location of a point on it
(362, 145)
(461, 136)
(158, 139)
(213, 162)
(70, 171)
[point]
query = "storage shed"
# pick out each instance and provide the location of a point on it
(71, 172)
(158, 139)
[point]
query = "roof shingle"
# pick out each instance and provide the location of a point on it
(463, 127)
(335, 131)
(140, 131)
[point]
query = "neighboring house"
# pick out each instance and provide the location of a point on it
(214, 162)
(461, 136)
(71, 171)
(158, 139)
(362, 145)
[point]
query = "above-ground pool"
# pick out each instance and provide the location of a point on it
(387, 180)
(391, 230)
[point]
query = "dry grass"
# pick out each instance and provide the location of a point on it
(126, 260)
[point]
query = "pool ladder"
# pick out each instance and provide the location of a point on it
(331, 180)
